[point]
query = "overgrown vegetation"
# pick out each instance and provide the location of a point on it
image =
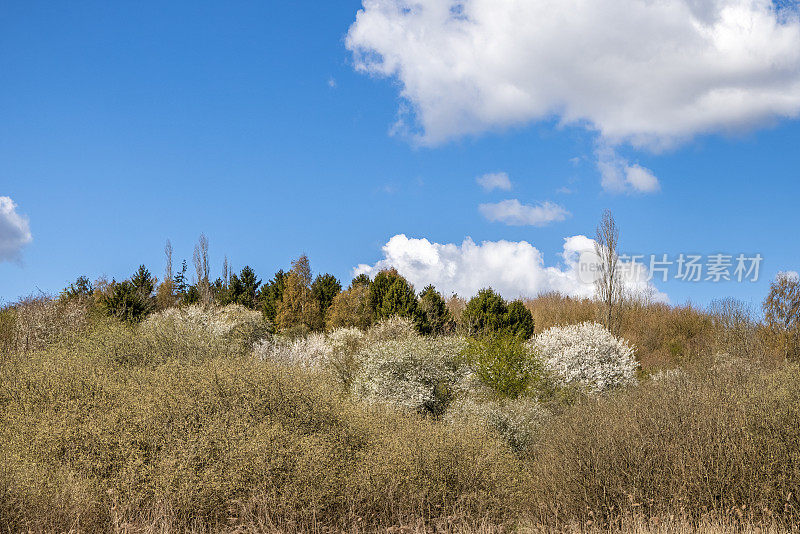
(294, 405)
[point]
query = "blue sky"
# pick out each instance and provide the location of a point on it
(124, 124)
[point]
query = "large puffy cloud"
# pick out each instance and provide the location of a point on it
(514, 269)
(15, 232)
(641, 71)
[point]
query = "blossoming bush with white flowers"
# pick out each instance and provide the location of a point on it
(36, 322)
(344, 360)
(233, 322)
(310, 352)
(391, 329)
(587, 354)
(516, 421)
(420, 374)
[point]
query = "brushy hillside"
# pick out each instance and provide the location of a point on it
(203, 419)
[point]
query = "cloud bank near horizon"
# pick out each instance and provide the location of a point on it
(513, 269)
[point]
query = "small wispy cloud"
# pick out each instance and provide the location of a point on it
(494, 180)
(514, 213)
(332, 82)
(619, 176)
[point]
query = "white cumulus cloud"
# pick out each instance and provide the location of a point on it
(514, 269)
(15, 232)
(649, 73)
(515, 213)
(640, 71)
(495, 180)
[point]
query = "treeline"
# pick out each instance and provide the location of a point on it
(295, 302)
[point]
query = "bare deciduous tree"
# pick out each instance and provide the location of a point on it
(168, 255)
(782, 312)
(201, 268)
(608, 282)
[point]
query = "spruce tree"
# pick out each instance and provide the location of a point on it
(400, 300)
(324, 289)
(271, 295)
(434, 317)
(243, 289)
(379, 287)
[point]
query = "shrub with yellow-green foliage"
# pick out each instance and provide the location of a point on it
(37, 322)
(721, 438)
(199, 437)
(176, 424)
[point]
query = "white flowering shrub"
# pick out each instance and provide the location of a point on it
(668, 375)
(392, 329)
(233, 321)
(37, 322)
(416, 373)
(516, 421)
(347, 340)
(587, 354)
(346, 346)
(310, 352)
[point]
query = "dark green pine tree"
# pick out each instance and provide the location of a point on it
(324, 289)
(143, 281)
(400, 300)
(485, 313)
(82, 289)
(379, 288)
(132, 299)
(243, 289)
(488, 313)
(519, 320)
(271, 294)
(360, 280)
(433, 317)
(181, 287)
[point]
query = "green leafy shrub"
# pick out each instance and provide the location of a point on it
(504, 363)
(488, 313)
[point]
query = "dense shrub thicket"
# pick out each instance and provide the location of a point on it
(296, 405)
(183, 422)
(187, 433)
